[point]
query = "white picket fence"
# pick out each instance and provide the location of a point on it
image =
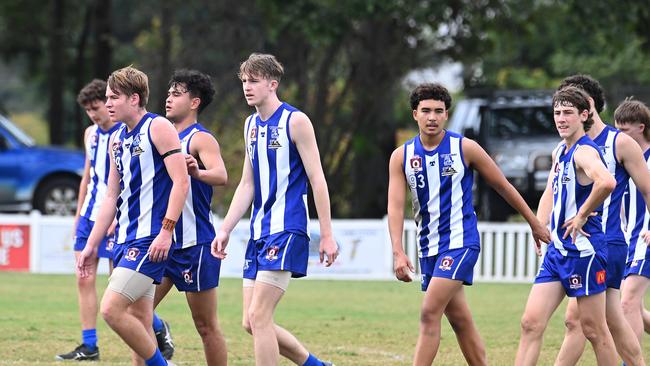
(43, 244)
(507, 252)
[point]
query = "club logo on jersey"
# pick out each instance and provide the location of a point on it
(447, 159)
(132, 254)
(275, 134)
(600, 277)
(253, 134)
(447, 171)
(274, 144)
(575, 281)
(135, 146)
(446, 263)
(416, 163)
(272, 253)
(187, 276)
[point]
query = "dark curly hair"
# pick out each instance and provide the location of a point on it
(95, 90)
(198, 84)
(574, 97)
(433, 91)
(590, 85)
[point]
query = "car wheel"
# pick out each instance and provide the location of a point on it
(58, 196)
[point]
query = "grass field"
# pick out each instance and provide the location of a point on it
(348, 322)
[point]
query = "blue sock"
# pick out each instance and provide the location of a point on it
(312, 361)
(89, 338)
(156, 360)
(157, 323)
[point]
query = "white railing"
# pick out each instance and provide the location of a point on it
(43, 244)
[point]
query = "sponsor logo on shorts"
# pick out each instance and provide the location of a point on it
(187, 276)
(272, 253)
(634, 263)
(110, 243)
(247, 264)
(132, 254)
(600, 277)
(575, 281)
(446, 263)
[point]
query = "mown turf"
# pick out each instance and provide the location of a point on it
(348, 322)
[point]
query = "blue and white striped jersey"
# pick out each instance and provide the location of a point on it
(97, 153)
(280, 199)
(195, 226)
(568, 196)
(611, 220)
(144, 183)
(637, 219)
(441, 193)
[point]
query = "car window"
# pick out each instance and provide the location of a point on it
(520, 122)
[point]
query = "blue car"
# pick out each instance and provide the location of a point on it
(36, 177)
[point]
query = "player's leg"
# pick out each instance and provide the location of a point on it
(469, 340)
(439, 292)
(625, 341)
(289, 345)
(574, 340)
(260, 316)
(646, 320)
(594, 327)
(87, 300)
(203, 305)
(543, 299)
(130, 293)
(160, 327)
(632, 302)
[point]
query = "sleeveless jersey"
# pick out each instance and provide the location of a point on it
(144, 183)
(195, 226)
(98, 154)
(441, 193)
(611, 220)
(280, 199)
(568, 196)
(637, 219)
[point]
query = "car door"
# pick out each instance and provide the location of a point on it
(10, 171)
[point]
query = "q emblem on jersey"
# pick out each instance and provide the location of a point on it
(446, 263)
(132, 254)
(416, 163)
(575, 281)
(187, 276)
(253, 134)
(272, 253)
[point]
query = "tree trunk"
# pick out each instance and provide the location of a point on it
(103, 37)
(56, 74)
(80, 75)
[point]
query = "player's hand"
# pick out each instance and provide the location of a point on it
(403, 267)
(574, 226)
(192, 166)
(540, 234)
(86, 260)
(328, 248)
(218, 247)
(159, 248)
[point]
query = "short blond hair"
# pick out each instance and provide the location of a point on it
(129, 80)
(262, 65)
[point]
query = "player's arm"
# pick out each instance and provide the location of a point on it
(240, 203)
(204, 146)
(545, 206)
(85, 178)
(302, 134)
(105, 218)
(396, 199)
(588, 161)
(477, 158)
(631, 156)
(165, 139)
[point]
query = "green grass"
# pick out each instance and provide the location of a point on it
(349, 322)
